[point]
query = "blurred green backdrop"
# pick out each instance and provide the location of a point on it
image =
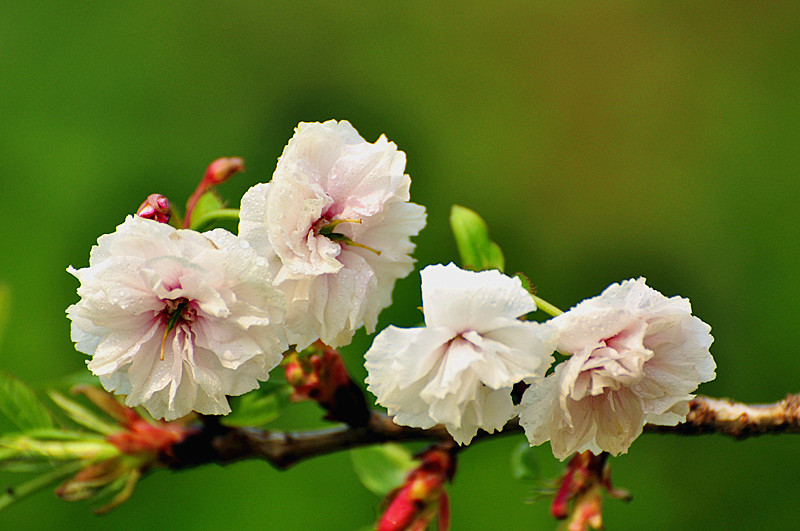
(600, 141)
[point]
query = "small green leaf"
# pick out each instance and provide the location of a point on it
(206, 207)
(19, 404)
(524, 465)
(382, 467)
(24, 447)
(260, 406)
(83, 416)
(477, 251)
(208, 202)
(18, 492)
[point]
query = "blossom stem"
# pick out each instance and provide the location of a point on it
(223, 214)
(546, 307)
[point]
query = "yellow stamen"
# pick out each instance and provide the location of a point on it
(348, 241)
(328, 229)
(164, 342)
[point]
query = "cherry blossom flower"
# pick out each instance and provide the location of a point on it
(175, 319)
(460, 368)
(335, 224)
(636, 356)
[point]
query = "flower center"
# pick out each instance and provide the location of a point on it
(174, 311)
(325, 227)
(618, 362)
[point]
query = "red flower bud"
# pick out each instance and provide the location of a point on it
(422, 496)
(222, 169)
(217, 172)
(143, 437)
(322, 376)
(155, 207)
(580, 494)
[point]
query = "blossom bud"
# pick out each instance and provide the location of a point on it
(144, 437)
(222, 169)
(588, 510)
(155, 207)
(298, 378)
(422, 497)
(117, 463)
(320, 374)
(217, 172)
(84, 484)
(580, 494)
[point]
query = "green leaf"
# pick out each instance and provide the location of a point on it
(477, 251)
(208, 202)
(382, 467)
(524, 465)
(260, 406)
(19, 404)
(83, 416)
(206, 206)
(13, 494)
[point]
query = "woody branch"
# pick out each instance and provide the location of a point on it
(220, 444)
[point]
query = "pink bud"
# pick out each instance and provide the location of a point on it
(412, 506)
(217, 172)
(580, 493)
(155, 207)
(223, 169)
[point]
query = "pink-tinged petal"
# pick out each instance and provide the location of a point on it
(466, 300)
(226, 317)
(509, 355)
(537, 408)
(458, 376)
(636, 357)
(335, 229)
(253, 221)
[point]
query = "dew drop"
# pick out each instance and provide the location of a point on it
(244, 244)
(260, 262)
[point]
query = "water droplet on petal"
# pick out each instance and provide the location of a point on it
(261, 262)
(244, 244)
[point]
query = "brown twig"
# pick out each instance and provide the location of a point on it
(216, 443)
(735, 419)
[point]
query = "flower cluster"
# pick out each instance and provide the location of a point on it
(178, 320)
(635, 357)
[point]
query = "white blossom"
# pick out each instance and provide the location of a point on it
(636, 356)
(460, 368)
(175, 319)
(335, 224)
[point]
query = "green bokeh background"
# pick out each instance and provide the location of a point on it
(601, 141)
